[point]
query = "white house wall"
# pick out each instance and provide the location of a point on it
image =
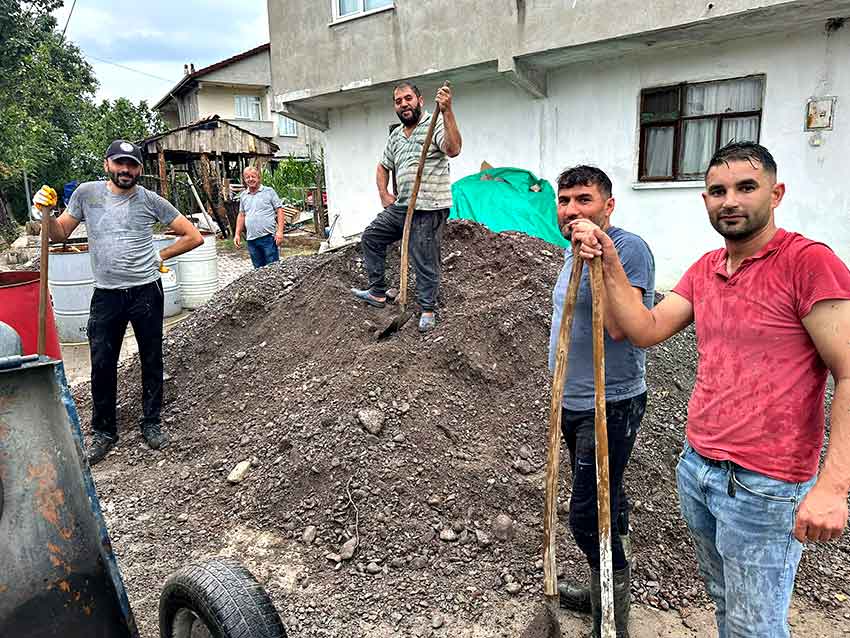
(591, 116)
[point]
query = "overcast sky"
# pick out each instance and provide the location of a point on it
(157, 37)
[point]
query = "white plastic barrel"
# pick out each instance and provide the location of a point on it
(198, 273)
(173, 302)
(71, 284)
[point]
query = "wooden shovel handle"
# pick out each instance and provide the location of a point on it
(603, 496)
(42, 290)
(411, 205)
(553, 439)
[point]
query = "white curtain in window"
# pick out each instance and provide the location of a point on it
(739, 129)
(248, 107)
(698, 140)
(659, 152)
(348, 6)
(731, 96)
(286, 127)
(368, 5)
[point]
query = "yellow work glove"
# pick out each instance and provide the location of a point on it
(163, 268)
(46, 197)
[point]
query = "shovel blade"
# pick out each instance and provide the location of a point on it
(396, 324)
(544, 624)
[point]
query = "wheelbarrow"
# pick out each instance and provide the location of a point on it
(58, 574)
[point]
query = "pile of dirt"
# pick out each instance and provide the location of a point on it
(429, 451)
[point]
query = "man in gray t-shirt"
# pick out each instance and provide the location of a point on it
(261, 216)
(584, 192)
(119, 217)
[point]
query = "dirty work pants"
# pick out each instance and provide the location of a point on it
(426, 229)
(111, 311)
(742, 525)
(579, 432)
(263, 251)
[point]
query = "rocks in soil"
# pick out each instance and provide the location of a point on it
(237, 474)
(503, 527)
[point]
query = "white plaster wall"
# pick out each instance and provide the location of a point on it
(591, 115)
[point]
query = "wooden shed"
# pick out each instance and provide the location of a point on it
(212, 153)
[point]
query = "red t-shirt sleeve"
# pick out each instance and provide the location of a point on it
(820, 275)
(685, 287)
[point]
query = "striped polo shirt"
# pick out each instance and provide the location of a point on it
(402, 156)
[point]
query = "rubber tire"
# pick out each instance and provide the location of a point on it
(224, 596)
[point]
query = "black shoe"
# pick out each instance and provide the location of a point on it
(574, 597)
(154, 436)
(99, 447)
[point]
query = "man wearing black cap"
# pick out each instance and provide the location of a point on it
(119, 217)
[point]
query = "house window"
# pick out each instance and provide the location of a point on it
(347, 8)
(248, 107)
(286, 127)
(682, 126)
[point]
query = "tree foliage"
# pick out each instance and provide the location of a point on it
(104, 123)
(50, 126)
(291, 177)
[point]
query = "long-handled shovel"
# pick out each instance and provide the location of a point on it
(603, 496)
(545, 622)
(43, 297)
(403, 313)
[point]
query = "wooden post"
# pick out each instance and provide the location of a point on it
(206, 178)
(163, 173)
(320, 202)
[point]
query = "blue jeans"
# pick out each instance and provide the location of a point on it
(742, 525)
(263, 251)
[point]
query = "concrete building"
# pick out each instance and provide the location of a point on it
(644, 90)
(238, 90)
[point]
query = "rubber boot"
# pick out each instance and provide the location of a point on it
(596, 603)
(576, 596)
(622, 602)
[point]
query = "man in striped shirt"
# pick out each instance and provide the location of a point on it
(433, 202)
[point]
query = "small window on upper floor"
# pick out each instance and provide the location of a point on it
(350, 8)
(248, 107)
(682, 126)
(286, 127)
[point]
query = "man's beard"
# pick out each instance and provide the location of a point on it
(746, 227)
(123, 179)
(412, 119)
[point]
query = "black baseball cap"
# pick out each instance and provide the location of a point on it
(123, 148)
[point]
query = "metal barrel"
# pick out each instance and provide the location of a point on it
(71, 284)
(173, 303)
(198, 273)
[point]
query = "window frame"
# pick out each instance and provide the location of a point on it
(678, 126)
(280, 133)
(359, 13)
(259, 102)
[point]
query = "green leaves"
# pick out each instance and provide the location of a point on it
(291, 177)
(50, 125)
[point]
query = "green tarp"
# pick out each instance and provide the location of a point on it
(503, 199)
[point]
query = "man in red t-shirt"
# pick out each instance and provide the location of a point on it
(772, 316)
